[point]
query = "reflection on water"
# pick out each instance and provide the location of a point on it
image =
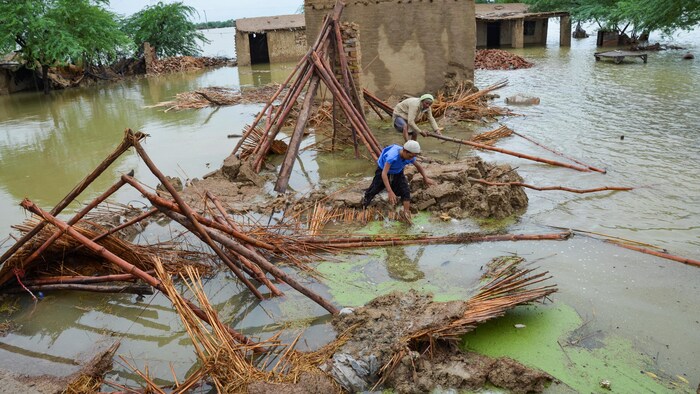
(49, 143)
(400, 267)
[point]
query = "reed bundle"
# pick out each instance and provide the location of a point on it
(321, 215)
(201, 98)
(216, 96)
(229, 365)
(249, 144)
(226, 361)
(491, 137)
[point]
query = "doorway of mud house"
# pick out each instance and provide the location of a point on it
(493, 34)
(258, 48)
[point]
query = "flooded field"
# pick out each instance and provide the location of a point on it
(619, 315)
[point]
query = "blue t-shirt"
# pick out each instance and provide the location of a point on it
(391, 155)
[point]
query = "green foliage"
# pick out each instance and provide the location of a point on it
(167, 28)
(637, 15)
(494, 1)
(216, 24)
(58, 32)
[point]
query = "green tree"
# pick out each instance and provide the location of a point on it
(631, 17)
(46, 33)
(216, 24)
(167, 28)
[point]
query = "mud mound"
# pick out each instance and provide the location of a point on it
(455, 195)
(382, 323)
(450, 368)
(459, 197)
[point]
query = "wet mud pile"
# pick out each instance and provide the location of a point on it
(455, 195)
(378, 329)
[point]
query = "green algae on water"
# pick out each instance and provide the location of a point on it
(544, 341)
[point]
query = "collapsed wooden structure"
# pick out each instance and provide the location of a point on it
(315, 67)
(246, 254)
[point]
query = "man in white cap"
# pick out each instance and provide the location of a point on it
(389, 175)
(406, 113)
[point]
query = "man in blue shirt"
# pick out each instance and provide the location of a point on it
(389, 175)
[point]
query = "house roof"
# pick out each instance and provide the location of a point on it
(267, 23)
(511, 11)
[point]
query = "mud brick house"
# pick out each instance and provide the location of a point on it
(501, 25)
(406, 46)
(271, 39)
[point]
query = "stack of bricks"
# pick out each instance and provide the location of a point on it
(350, 33)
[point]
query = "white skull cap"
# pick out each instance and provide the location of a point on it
(412, 146)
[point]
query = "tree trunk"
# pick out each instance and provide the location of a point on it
(45, 77)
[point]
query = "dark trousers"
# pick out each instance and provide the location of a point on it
(398, 183)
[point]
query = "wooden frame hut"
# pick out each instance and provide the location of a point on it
(500, 25)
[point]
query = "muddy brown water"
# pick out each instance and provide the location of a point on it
(47, 144)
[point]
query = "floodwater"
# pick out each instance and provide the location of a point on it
(48, 144)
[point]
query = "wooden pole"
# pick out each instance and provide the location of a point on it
(267, 105)
(545, 188)
(374, 99)
(278, 121)
(190, 215)
(125, 266)
(127, 142)
(290, 99)
(54, 280)
(297, 136)
(57, 234)
(125, 289)
(668, 256)
(370, 241)
(119, 227)
(347, 108)
(559, 153)
(508, 152)
(160, 201)
(258, 274)
(357, 112)
(259, 260)
(344, 72)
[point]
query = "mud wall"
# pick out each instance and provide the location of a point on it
(408, 47)
(539, 36)
(242, 48)
(282, 46)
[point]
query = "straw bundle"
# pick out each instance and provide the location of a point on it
(491, 137)
(467, 105)
(321, 215)
(224, 361)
